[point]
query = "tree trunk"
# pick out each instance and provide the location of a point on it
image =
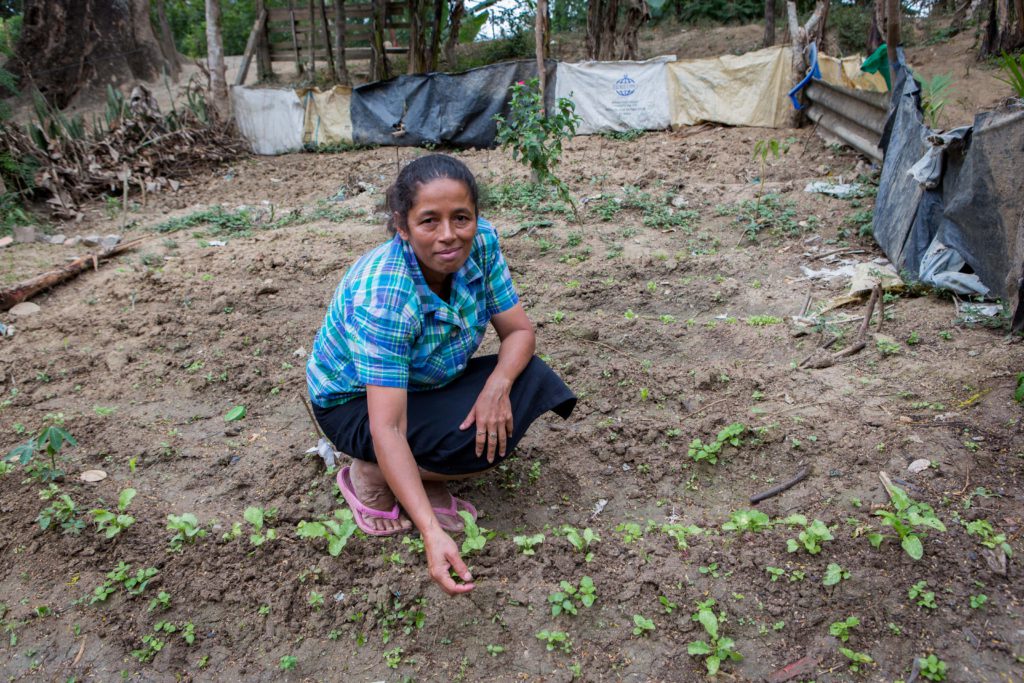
(892, 35)
(215, 59)
(264, 67)
(876, 33)
(455, 14)
(608, 20)
(769, 23)
(434, 54)
(69, 46)
(379, 61)
(166, 39)
(594, 28)
(1003, 32)
(339, 43)
(416, 56)
(538, 33)
(637, 13)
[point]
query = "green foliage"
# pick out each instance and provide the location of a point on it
(111, 523)
(978, 601)
(642, 625)
(857, 659)
(909, 521)
(932, 668)
(565, 600)
(921, 596)
(717, 649)
(534, 138)
(187, 21)
(769, 213)
(556, 639)
(742, 521)
(834, 574)
(335, 531)
(1013, 72)
(719, 11)
(62, 510)
(162, 601)
(851, 24)
(582, 541)
(258, 518)
(983, 529)
(49, 441)
(811, 538)
(476, 537)
(730, 435)
(186, 528)
(935, 93)
(287, 662)
(527, 544)
(678, 533)
(1018, 393)
(631, 532)
(842, 629)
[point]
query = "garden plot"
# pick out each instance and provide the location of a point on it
(620, 545)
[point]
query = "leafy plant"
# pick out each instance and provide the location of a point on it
(667, 604)
(978, 601)
(775, 572)
(921, 596)
(834, 574)
(136, 585)
(527, 544)
(642, 625)
(857, 659)
(186, 528)
(556, 639)
(932, 668)
(764, 148)
(842, 629)
(582, 541)
(811, 538)
(49, 442)
(110, 524)
(335, 531)
(1013, 70)
(162, 601)
(287, 662)
(631, 532)
(909, 521)
(536, 138)
(934, 95)
(742, 521)
(393, 657)
(565, 599)
(62, 510)
(717, 648)
(983, 529)
(315, 600)
(679, 533)
(258, 518)
(730, 435)
(476, 537)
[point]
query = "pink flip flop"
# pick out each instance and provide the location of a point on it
(361, 512)
(452, 512)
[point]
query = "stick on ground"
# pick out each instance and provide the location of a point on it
(784, 486)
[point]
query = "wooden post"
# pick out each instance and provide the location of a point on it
(769, 23)
(295, 38)
(892, 35)
(539, 35)
(415, 65)
(250, 47)
(264, 65)
(379, 63)
(339, 42)
(312, 40)
(327, 41)
(435, 36)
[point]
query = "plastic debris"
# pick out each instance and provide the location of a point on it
(93, 476)
(840, 190)
(325, 449)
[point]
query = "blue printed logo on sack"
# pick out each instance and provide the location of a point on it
(625, 86)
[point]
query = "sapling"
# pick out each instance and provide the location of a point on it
(729, 435)
(335, 531)
(162, 601)
(110, 524)
(717, 648)
(476, 537)
(667, 604)
(582, 540)
(527, 544)
(909, 521)
(857, 659)
(49, 441)
(679, 532)
(135, 585)
(631, 531)
(187, 530)
(842, 629)
(259, 518)
(983, 529)
(642, 625)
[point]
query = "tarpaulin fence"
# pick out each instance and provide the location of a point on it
(950, 206)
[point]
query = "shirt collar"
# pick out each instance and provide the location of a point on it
(469, 273)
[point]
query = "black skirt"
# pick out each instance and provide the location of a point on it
(434, 417)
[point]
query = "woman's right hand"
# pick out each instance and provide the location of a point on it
(442, 558)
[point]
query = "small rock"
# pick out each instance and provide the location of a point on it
(679, 201)
(299, 352)
(56, 239)
(232, 430)
(25, 308)
(919, 465)
(277, 262)
(117, 360)
(73, 241)
(91, 240)
(110, 241)
(588, 333)
(6, 241)
(23, 234)
(268, 287)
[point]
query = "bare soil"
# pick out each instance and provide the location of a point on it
(656, 328)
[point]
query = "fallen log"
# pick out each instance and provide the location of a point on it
(29, 288)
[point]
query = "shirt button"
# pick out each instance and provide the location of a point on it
(461, 365)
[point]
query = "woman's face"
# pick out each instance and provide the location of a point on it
(440, 228)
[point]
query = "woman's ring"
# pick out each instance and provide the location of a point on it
(493, 434)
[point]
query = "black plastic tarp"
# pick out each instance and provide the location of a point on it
(440, 109)
(973, 201)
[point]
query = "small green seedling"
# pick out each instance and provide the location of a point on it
(315, 600)
(811, 538)
(495, 650)
(932, 668)
(642, 625)
(393, 657)
(162, 601)
(565, 599)
(556, 639)
(834, 574)
(857, 659)
(476, 537)
(62, 511)
(335, 531)
(730, 435)
(775, 572)
(135, 585)
(747, 521)
(842, 629)
(259, 518)
(909, 521)
(528, 544)
(679, 533)
(978, 601)
(717, 649)
(667, 604)
(921, 596)
(49, 441)
(110, 524)
(187, 530)
(287, 662)
(631, 532)
(983, 529)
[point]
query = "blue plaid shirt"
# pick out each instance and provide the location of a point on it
(385, 327)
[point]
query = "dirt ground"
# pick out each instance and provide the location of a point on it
(657, 309)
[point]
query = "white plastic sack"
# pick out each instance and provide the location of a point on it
(617, 96)
(270, 120)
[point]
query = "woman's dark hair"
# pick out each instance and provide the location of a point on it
(402, 194)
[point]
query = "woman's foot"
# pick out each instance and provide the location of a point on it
(440, 498)
(372, 491)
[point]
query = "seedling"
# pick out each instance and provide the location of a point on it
(556, 639)
(679, 532)
(62, 510)
(582, 540)
(811, 538)
(1013, 73)
(393, 657)
(717, 648)
(642, 625)
(909, 521)
(983, 529)
(775, 572)
(834, 574)
(335, 531)
(287, 662)
(135, 585)
(857, 659)
(932, 668)
(315, 600)
(1018, 393)
(110, 524)
(495, 650)
(162, 601)
(747, 520)
(921, 596)
(187, 530)
(527, 544)
(667, 604)
(414, 544)
(730, 435)
(842, 629)
(259, 518)
(49, 441)
(631, 532)
(565, 599)
(711, 569)
(978, 601)
(476, 537)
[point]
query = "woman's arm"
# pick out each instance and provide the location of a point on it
(492, 411)
(388, 427)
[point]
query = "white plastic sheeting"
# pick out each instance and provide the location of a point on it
(271, 120)
(617, 96)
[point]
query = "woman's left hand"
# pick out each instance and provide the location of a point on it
(492, 414)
